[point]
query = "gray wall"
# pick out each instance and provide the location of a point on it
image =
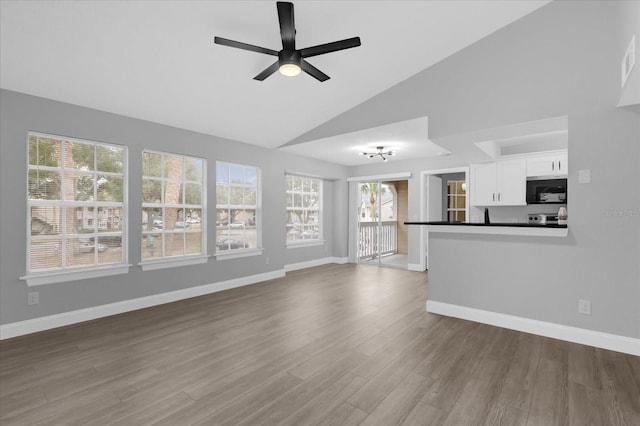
(563, 59)
(22, 113)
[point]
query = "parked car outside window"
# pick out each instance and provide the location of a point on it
(230, 244)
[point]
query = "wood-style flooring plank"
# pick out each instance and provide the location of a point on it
(550, 400)
(344, 415)
(329, 345)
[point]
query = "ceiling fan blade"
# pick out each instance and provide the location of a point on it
(267, 72)
(287, 25)
(313, 71)
(330, 47)
(244, 46)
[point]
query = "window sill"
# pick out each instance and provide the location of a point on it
(236, 254)
(74, 275)
(312, 243)
(152, 265)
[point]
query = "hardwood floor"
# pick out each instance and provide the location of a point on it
(332, 345)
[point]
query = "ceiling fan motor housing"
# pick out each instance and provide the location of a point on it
(289, 57)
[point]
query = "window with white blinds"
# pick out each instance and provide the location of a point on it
(173, 206)
(76, 195)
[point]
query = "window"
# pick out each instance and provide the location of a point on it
(456, 197)
(76, 195)
(237, 207)
(304, 195)
(173, 206)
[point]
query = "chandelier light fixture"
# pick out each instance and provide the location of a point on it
(380, 152)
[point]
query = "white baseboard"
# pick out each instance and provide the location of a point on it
(315, 262)
(73, 317)
(583, 336)
(415, 267)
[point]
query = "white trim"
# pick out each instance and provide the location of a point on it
(239, 254)
(163, 263)
(302, 174)
(417, 267)
(392, 176)
(73, 317)
(71, 275)
(315, 262)
(304, 243)
(537, 231)
(582, 336)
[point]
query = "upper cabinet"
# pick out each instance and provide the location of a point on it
(548, 165)
(501, 183)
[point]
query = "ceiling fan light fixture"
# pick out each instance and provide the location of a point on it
(290, 70)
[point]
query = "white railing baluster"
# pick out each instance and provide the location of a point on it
(368, 243)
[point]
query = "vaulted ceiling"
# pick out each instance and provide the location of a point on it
(156, 60)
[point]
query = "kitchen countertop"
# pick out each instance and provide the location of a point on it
(516, 229)
(510, 224)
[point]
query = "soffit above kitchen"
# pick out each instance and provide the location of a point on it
(156, 60)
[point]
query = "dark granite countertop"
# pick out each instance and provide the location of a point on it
(506, 224)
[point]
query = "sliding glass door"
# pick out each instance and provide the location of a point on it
(378, 226)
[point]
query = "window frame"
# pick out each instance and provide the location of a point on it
(319, 240)
(249, 251)
(165, 261)
(65, 272)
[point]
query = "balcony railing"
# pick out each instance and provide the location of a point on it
(370, 244)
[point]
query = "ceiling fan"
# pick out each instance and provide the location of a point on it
(291, 60)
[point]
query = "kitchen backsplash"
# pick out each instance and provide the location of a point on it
(510, 214)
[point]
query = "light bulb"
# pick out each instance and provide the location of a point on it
(290, 70)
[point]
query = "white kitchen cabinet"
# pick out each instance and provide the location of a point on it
(556, 165)
(483, 184)
(501, 183)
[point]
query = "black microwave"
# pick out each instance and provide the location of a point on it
(547, 191)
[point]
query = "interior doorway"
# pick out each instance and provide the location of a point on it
(444, 197)
(382, 237)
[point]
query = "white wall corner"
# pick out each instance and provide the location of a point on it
(73, 317)
(582, 336)
(415, 267)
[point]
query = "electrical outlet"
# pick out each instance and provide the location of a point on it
(266, 261)
(33, 298)
(584, 307)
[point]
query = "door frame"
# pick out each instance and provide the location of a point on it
(424, 191)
